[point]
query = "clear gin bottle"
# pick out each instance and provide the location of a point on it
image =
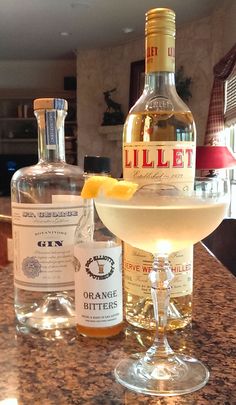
(46, 207)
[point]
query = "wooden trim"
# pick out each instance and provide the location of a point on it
(35, 93)
(137, 71)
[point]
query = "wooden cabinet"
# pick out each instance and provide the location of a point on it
(18, 125)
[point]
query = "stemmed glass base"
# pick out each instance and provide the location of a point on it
(160, 371)
(177, 375)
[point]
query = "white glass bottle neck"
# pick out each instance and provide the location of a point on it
(160, 81)
(51, 137)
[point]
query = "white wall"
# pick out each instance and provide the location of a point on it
(35, 74)
(229, 24)
(97, 71)
(198, 49)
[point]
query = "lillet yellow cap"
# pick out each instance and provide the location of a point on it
(160, 21)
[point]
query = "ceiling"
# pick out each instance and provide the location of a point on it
(31, 29)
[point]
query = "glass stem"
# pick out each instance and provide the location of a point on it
(160, 277)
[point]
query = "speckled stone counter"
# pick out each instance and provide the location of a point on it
(5, 206)
(78, 370)
(5, 228)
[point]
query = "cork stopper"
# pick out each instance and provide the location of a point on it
(50, 104)
(160, 21)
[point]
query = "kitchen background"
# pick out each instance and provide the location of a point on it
(199, 45)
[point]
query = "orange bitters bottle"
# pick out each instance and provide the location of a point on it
(98, 268)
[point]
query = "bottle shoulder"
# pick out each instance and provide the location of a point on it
(157, 117)
(39, 183)
(42, 169)
(153, 100)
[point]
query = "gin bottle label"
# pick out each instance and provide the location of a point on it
(43, 237)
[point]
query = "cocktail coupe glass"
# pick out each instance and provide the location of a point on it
(161, 219)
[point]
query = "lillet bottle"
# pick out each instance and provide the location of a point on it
(159, 146)
(98, 272)
(45, 211)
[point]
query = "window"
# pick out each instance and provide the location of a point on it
(230, 99)
(230, 128)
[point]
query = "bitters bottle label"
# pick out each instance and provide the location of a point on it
(98, 285)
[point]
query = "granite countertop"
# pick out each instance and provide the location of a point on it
(77, 370)
(5, 206)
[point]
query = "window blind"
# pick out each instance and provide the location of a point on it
(230, 100)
